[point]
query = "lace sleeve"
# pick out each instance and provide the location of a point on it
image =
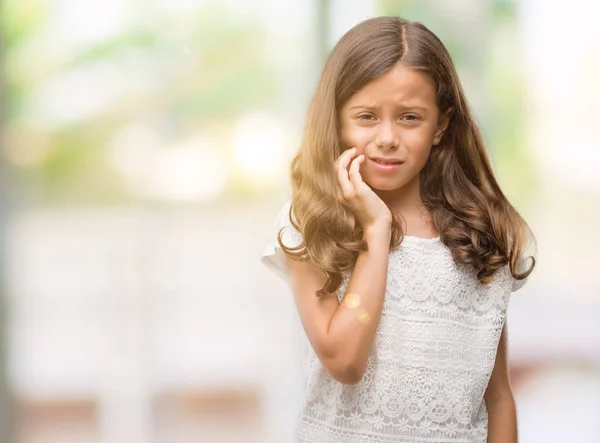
(522, 266)
(273, 256)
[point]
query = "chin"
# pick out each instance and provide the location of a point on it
(385, 185)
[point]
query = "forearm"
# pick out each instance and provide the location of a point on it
(352, 327)
(502, 420)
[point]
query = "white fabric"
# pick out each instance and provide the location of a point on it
(273, 256)
(431, 361)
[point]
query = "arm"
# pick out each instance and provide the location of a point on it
(342, 334)
(502, 414)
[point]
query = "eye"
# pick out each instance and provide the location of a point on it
(366, 117)
(411, 117)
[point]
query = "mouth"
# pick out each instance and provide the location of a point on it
(387, 161)
(386, 164)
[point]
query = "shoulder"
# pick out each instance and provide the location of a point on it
(284, 224)
(273, 255)
(522, 267)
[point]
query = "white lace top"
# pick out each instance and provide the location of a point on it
(431, 361)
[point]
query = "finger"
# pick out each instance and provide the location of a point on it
(342, 174)
(354, 174)
(346, 157)
(336, 163)
(346, 187)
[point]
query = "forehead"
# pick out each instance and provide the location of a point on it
(400, 85)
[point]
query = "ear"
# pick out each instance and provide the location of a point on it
(442, 125)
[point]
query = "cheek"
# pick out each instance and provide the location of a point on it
(357, 137)
(418, 143)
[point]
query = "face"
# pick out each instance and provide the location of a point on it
(394, 121)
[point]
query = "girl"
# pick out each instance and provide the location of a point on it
(401, 250)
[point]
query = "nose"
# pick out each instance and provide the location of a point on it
(387, 137)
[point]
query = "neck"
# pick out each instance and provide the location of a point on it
(408, 203)
(405, 200)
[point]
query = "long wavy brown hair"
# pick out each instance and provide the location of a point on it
(458, 188)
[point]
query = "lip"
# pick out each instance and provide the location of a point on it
(378, 163)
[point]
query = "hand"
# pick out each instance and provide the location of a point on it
(366, 206)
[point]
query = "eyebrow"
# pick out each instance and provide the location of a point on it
(352, 108)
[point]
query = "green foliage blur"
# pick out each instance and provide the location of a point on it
(68, 97)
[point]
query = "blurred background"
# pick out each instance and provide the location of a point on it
(144, 155)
